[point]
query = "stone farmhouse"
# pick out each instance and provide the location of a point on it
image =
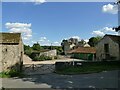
(108, 48)
(12, 51)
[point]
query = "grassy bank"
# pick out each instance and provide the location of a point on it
(88, 68)
(11, 73)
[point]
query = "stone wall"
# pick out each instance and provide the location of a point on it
(11, 56)
(21, 51)
(0, 58)
(113, 49)
(50, 53)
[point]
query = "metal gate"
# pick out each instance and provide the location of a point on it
(38, 68)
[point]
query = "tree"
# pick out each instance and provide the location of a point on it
(36, 46)
(81, 43)
(94, 40)
(27, 50)
(116, 28)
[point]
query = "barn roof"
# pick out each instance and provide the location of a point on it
(115, 38)
(10, 38)
(83, 50)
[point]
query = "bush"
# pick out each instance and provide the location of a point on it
(42, 58)
(56, 57)
(11, 73)
(86, 67)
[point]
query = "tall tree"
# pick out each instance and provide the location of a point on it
(94, 40)
(116, 28)
(27, 50)
(81, 42)
(36, 46)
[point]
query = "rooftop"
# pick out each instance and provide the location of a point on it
(83, 50)
(115, 38)
(6, 38)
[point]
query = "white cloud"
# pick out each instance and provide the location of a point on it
(76, 37)
(23, 28)
(107, 29)
(86, 40)
(113, 9)
(43, 38)
(103, 31)
(39, 1)
(17, 25)
(44, 41)
(56, 43)
(98, 33)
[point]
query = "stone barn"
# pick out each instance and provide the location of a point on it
(12, 51)
(108, 48)
(84, 53)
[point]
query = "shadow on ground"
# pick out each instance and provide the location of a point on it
(106, 79)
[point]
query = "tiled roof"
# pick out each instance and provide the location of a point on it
(83, 50)
(10, 38)
(115, 38)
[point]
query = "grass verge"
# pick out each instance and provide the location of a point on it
(11, 73)
(87, 69)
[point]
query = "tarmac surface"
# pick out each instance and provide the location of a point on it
(106, 79)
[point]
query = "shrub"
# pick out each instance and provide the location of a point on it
(42, 58)
(56, 57)
(11, 73)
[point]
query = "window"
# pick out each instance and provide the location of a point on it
(6, 49)
(106, 48)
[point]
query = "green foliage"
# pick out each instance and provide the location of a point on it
(27, 50)
(42, 58)
(59, 49)
(56, 57)
(81, 43)
(87, 67)
(26, 47)
(36, 46)
(4, 75)
(94, 40)
(11, 73)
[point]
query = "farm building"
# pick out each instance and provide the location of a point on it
(85, 53)
(108, 48)
(49, 53)
(11, 47)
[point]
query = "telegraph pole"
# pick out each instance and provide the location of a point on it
(51, 46)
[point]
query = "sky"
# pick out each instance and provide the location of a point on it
(51, 22)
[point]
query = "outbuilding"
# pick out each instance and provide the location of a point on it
(12, 51)
(108, 48)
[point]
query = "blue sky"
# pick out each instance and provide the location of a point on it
(52, 22)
